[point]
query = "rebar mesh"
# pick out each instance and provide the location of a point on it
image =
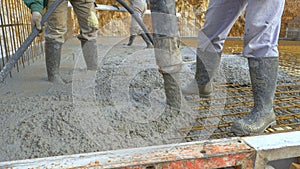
(239, 102)
(291, 62)
(14, 29)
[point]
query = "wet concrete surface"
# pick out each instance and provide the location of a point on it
(121, 105)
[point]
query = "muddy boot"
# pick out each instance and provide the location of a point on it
(146, 39)
(172, 90)
(190, 88)
(131, 38)
(90, 54)
(206, 68)
(263, 74)
(53, 55)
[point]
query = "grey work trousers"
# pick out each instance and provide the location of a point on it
(261, 32)
(87, 19)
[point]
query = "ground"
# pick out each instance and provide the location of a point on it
(118, 106)
(121, 105)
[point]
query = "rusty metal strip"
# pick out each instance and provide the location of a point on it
(204, 154)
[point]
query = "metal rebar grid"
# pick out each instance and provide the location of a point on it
(215, 120)
(15, 26)
(290, 62)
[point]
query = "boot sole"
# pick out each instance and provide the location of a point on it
(200, 95)
(238, 133)
(205, 96)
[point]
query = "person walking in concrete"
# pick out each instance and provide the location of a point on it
(139, 7)
(167, 50)
(261, 33)
(57, 27)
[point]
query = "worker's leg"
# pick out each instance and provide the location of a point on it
(57, 22)
(263, 19)
(131, 39)
(54, 38)
(167, 51)
(220, 17)
(142, 9)
(135, 28)
(88, 23)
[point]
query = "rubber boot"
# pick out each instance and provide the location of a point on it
(53, 55)
(90, 54)
(207, 64)
(263, 74)
(131, 38)
(146, 39)
(172, 90)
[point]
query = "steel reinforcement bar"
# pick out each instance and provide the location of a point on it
(238, 102)
(14, 29)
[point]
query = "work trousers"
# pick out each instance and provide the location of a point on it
(140, 7)
(262, 27)
(87, 19)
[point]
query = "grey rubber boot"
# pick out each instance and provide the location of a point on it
(172, 90)
(90, 54)
(145, 38)
(131, 38)
(53, 55)
(263, 74)
(207, 64)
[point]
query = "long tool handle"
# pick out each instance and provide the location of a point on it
(139, 21)
(18, 54)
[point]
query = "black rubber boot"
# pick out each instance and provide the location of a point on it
(207, 64)
(263, 74)
(90, 54)
(146, 39)
(53, 55)
(131, 38)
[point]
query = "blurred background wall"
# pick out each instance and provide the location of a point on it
(192, 18)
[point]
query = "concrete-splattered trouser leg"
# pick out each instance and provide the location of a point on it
(167, 52)
(54, 38)
(263, 20)
(88, 23)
